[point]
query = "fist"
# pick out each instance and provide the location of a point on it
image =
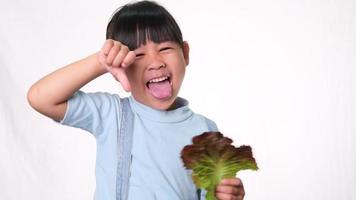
(230, 189)
(116, 57)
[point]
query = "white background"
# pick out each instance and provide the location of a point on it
(277, 75)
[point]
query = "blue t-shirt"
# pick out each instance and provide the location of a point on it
(157, 171)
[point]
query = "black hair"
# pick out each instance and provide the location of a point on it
(135, 23)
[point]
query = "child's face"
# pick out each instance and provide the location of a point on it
(157, 73)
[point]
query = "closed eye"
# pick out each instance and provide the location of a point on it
(165, 48)
(139, 55)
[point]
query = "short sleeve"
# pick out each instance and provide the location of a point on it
(211, 125)
(91, 111)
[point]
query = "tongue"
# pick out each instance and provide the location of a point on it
(161, 90)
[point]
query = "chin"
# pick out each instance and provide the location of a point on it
(163, 104)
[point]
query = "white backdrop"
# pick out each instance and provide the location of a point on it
(277, 75)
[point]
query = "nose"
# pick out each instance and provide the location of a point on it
(156, 63)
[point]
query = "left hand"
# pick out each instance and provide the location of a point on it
(230, 189)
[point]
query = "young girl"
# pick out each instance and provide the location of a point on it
(139, 138)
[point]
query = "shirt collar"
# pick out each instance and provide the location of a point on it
(180, 113)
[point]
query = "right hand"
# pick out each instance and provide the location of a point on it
(116, 57)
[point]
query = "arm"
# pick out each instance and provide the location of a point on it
(49, 95)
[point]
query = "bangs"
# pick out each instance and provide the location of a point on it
(135, 24)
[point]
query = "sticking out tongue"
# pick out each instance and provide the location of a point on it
(160, 90)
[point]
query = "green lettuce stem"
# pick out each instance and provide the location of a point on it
(210, 195)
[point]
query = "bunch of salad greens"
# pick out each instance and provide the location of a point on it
(212, 157)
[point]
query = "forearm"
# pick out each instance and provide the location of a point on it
(56, 88)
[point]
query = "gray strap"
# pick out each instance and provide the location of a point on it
(124, 150)
(198, 193)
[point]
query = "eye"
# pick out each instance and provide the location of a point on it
(165, 48)
(139, 55)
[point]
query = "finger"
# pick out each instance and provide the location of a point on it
(120, 75)
(232, 182)
(112, 54)
(228, 190)
(120, 56)
(223, 196)
(241, 196)
(107, 46)
(129, 59)
(123, 80)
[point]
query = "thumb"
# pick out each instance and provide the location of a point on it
(120, 75)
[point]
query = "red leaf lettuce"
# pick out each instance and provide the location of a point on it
(213, 158)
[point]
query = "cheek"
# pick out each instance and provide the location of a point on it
(177, 60)
(180, 67)
(179, 73)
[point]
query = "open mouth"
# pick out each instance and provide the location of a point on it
(159, 80)
(160, 87)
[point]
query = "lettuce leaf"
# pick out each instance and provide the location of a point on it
(213, 158)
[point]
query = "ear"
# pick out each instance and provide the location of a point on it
(186, 52)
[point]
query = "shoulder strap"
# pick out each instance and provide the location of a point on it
(201, 194)
(198, 194)
(124, 140)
